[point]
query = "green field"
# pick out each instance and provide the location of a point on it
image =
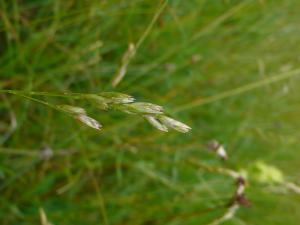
(229, 69)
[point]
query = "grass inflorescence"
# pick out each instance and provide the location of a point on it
(107, 101)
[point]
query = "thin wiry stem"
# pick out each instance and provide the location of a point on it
(231, 211)
(39, 101)
(43, 217)
(151, 24)
(239, 198)
(293, 187)
(220, 170)
(132, 49)
(202, 32)
(35, 152)
(239, 90)
(162, 179)
(21, 94)
(13, 126)
(40, 93)
(100, 198)
(97, 188)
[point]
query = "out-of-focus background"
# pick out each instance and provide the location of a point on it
(229, 69)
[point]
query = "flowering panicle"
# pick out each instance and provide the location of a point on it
(153, 113)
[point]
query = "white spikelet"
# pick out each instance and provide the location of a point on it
(221, 152)
(72, 109)
(155, 123)
(219, 149)
(118, 98)
(89, 121)
(174, 124)
(145, 107)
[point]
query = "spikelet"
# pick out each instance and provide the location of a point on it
(72, 109)
(100, 101)
(117, 98)
(141, 108)
(155, 123)
(80, 114)
(174, 124)
(221, 152)
(219, 149)
(147, 108)
(89, 121)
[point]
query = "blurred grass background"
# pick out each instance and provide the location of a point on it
(131, 173)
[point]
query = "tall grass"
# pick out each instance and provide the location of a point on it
(228, 69)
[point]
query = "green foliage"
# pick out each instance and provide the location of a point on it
(229, 69)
